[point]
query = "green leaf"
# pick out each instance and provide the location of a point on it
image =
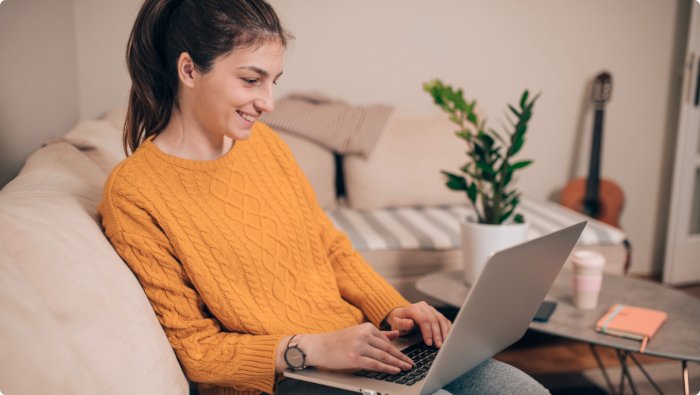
(464, 134)
(498, 136)
(505, 216)
(519, 219)
(497, 154)
(466, 169)
(455, 182)
(517, 145)
(507, 177)
(470, 106)
(471, 117)
(487, 171)
(523, 99)
(517, 114)
(459, 101)
(515, 201)
(520, 165)
(532, 102)
(471, 192)
(486, 139)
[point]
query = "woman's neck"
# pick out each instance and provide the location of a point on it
(187, 140)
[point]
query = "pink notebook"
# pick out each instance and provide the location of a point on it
(631, 322)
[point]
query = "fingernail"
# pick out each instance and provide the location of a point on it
(429, 342)
(396, 370)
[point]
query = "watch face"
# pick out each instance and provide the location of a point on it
(294, 357)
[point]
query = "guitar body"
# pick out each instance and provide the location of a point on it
(610, 202)
(594, 196)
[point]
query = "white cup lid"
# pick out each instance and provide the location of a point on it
(588, 258)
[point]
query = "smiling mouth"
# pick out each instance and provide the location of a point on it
(247, 117)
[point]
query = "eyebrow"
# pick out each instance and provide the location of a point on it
(260, 71)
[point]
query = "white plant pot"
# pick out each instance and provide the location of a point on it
(480, 241)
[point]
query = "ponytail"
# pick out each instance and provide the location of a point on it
(152, 96)
(206, 30)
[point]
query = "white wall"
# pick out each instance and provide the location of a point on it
(38, 99)
(368, 51)
(102, 30)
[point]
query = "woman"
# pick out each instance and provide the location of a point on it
(219, 225)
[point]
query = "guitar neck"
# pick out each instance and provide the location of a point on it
(593, 181)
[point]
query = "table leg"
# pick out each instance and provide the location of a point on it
(686, 384)
(599, 361)
(646, 374)
(622, 356)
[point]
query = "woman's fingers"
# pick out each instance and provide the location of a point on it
(423, 320)
(445, 327)
(368, 363)
(389, 335)
(384, 343)
(387, 354)
(404, 325)
(434, 325)
(444, 323)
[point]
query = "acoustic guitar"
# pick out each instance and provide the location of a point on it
(598, 198)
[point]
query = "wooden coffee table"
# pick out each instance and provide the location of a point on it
(678, 338)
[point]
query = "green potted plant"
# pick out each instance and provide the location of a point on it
(488, 178)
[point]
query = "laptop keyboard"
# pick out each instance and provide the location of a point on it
(422, 356)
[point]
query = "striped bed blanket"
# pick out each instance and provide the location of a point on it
(437, 227)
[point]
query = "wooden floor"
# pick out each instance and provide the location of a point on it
(538, 354)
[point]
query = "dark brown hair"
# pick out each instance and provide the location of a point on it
(206, 30)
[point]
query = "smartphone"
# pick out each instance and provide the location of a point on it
(545, 311)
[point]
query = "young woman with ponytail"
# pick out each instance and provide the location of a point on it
(221, 228)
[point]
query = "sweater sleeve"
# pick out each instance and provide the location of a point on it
(357, 281)
(207, 353)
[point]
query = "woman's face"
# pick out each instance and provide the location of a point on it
(227, 100)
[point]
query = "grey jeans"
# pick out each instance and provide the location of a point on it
(490, 377)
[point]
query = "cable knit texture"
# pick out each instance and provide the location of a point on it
(234, 254)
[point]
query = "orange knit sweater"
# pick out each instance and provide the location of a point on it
(234, 254)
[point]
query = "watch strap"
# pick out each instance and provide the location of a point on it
(293, 343)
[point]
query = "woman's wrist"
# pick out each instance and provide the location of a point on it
(280, 363)
(307, 344)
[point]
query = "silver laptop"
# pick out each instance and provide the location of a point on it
(495, 314)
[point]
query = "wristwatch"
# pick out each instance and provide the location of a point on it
(293, 355)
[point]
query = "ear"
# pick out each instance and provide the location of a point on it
(186, 71)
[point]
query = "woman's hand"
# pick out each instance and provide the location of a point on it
(433, 325)
(357, 347)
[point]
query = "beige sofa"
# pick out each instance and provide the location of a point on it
(74, 318)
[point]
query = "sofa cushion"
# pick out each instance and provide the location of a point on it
(99, 140)
(49, 229)
(404, 170)
(338, 126)
(32, 342)
(318, 164)
(437, 227)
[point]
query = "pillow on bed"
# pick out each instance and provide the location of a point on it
(404, 170)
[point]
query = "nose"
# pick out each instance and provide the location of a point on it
(265, 101)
